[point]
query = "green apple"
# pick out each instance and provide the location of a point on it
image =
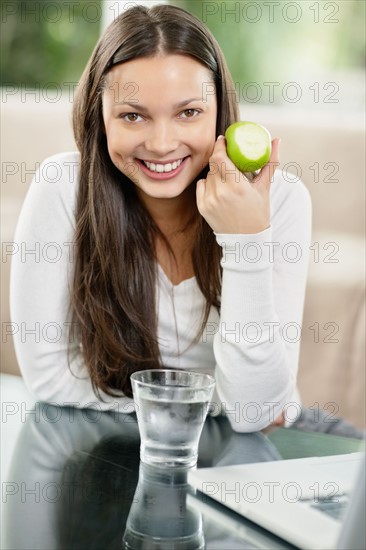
(248, 145)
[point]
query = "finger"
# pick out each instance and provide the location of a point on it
(265, 176)
(275, 154)
(218, 150)
(200, 190)
(223, 167)
(219, 147)
(220, 143)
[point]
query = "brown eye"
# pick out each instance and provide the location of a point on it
(131, 117)
(189, 113)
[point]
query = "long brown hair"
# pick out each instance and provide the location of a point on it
(113, 296)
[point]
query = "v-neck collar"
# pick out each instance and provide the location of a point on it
(186, 282)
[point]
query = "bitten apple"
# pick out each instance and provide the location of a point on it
(248, 145)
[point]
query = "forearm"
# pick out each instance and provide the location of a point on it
(254, 375)
(263, 294)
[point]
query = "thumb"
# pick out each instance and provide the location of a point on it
(200, 190)
(220, 145)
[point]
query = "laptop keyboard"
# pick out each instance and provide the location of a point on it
(335, 508)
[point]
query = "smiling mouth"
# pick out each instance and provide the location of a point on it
(163, 168)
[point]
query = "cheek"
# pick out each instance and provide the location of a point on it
(120, 155)
(209, 143)
(116, 143)
(203, 140)
(207, 136)
(113, 153)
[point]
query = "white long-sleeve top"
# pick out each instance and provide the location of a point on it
(252, 348)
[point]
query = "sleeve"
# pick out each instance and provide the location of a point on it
(264, 278)
(48, 353)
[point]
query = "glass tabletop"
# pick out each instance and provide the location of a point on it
(76, 482)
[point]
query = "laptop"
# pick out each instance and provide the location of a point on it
(313, 503)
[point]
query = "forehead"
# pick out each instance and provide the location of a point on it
(159, 77)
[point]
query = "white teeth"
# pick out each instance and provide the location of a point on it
(163, 167)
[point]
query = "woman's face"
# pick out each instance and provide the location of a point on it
(160, 122)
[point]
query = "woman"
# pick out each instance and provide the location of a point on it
(169, 255)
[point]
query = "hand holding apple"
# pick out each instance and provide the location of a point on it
(228, 201)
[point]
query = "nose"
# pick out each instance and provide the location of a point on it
(162, 139)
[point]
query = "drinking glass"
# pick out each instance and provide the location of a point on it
(171, 408)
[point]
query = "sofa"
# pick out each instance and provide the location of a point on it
(328, 154)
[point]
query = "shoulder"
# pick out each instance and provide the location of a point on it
(286, 185)
(290, 197)
(57, 176)
(53, 190)
(62, 167)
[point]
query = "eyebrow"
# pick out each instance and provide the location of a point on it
(143, 109)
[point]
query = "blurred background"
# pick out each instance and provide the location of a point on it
(303, 42)
(298, 69)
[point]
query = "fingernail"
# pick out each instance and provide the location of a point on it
(220, 137)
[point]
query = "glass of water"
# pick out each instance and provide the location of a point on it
(171, 408)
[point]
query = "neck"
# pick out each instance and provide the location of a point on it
(172, 215)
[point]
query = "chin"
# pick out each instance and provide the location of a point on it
(164, 189)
